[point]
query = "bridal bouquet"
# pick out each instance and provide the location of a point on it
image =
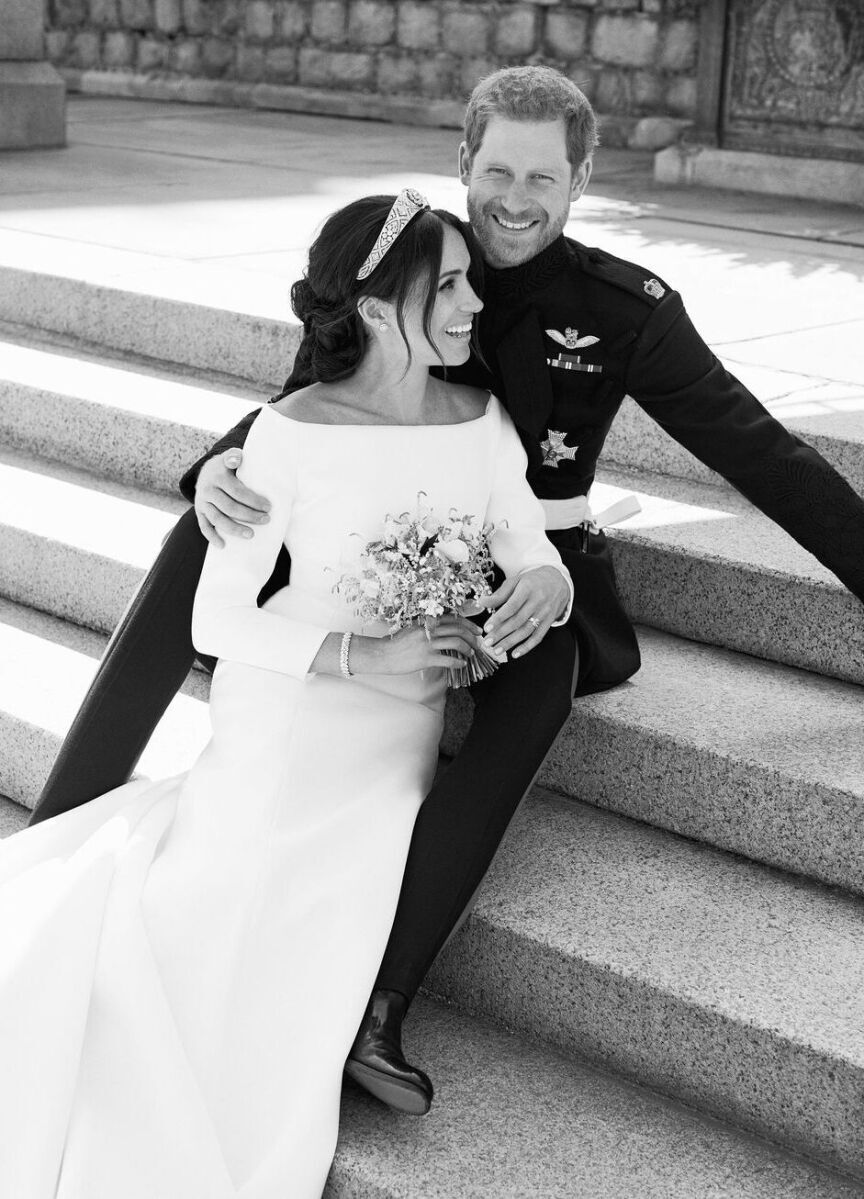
(421, 568)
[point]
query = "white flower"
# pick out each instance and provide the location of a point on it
(453, 551)
(394, 529)
(371, 587)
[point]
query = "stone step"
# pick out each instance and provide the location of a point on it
(731, 987)
(13, 817)
(126, 420)
(235, 322)
(659, 936)
(677, 747)
(73, 544)
(696, 561)
(702, 562)
(760, 759)
(46, 666)
(548, 1124)
(517, 1121)
(828, 416)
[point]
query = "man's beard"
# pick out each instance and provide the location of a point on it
(500, 253)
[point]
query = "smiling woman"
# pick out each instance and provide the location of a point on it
(349, 260)
(180, 988)
(368, 342)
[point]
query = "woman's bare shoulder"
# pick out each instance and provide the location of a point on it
(321, 404)
(306, 405)
(467, 402)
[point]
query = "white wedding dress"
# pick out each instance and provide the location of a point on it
(184, 964)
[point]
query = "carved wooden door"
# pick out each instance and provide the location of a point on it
(792, 76)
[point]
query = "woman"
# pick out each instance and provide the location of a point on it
(197, 953)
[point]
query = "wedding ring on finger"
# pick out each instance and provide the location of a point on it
(532, 620)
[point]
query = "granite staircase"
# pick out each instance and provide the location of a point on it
(659, 993)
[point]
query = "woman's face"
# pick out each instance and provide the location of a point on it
(456, 305)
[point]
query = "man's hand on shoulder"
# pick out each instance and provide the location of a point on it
(224, 506)
(526, 607)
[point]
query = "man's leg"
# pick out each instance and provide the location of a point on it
(518, 714)
(146, 661)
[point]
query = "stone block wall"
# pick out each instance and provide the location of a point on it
(632, 57)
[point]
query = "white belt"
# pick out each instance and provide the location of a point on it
(566, 514)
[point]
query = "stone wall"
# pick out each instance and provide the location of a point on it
(634, 58)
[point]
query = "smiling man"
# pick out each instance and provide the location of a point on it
(521, 180)
(566, 332)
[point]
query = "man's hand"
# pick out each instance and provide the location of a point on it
(223, 505)
(525, 607)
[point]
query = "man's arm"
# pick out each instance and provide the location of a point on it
(224, 506)
(234, 439)
(680, 383)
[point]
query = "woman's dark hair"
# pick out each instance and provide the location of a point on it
(325, 299)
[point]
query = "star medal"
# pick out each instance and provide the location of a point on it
(554, 449)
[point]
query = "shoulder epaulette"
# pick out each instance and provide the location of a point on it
(628, 276)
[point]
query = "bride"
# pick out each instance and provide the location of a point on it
(184, 964)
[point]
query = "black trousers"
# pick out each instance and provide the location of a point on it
(518, 713)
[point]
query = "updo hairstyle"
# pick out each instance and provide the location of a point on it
(325, 299)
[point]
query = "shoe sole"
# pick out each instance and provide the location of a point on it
(395, 1092)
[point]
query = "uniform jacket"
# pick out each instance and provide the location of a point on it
(566, 336)
(643, 344)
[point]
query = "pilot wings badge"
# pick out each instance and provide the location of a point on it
(571, 340)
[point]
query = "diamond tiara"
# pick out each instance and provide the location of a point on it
(405, 207)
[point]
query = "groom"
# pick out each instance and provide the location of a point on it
(566, 333)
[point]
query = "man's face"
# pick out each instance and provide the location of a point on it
(520, 188)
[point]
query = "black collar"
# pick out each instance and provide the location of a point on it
(528, 278)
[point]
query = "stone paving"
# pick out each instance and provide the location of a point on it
(198, 201)
(681, 955)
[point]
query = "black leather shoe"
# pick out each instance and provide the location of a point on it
(376, 1061)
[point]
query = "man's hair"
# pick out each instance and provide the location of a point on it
(532, 94)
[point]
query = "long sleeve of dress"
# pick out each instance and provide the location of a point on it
(519, 543)
(226, 619)
(679, 382)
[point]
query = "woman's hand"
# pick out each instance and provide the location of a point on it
(416, 648)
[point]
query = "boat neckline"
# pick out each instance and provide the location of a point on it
(358, 425)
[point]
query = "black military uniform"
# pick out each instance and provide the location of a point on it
(564, 338)
(625, 332)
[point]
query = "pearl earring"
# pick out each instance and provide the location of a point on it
(383, 326)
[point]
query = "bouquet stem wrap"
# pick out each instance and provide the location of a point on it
(463, 674)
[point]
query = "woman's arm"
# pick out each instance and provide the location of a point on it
(226, 619)
(538, 591)
(520, 543)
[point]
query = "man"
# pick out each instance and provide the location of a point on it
(565, 334)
